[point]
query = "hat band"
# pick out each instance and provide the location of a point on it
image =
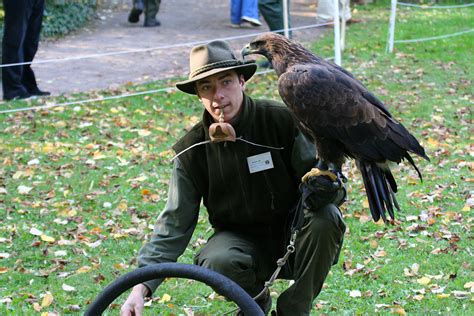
(219, 64)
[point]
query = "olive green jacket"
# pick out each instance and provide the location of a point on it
(218, 174)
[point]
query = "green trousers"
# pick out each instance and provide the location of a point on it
(250, 260)
(151, 7)
(272, 12)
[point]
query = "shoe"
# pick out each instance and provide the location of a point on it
(151, 22)
(252, 21)
(352, 21)
(134, 15)
(234, 26)
(247, 25)
(40, 93)
(21, 96)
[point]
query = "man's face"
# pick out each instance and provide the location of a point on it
(222, 91)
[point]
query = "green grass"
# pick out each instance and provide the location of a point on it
(97, 178)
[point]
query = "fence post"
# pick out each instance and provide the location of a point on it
(285, 18)
(337, 34)
(391, 26)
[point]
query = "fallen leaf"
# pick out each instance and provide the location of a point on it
(418, 297)
(144, 132)
(83, 269)
(468, 285)
(47, 300)
(36, 232)
(355, 293)
(23, 189)
(47, 238)
(165, 298)
(460, 294)
(423, 281)
(68, 288)
(36, 307)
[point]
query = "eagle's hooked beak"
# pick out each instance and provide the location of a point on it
(246, 51)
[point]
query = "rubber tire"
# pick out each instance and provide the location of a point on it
(221, 284)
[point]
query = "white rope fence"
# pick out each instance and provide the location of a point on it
(128, 95)
(93, 100)
(393, 12)
(286, 30)
(421, 6)
(142, 50)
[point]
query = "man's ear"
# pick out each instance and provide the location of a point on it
(242, 80)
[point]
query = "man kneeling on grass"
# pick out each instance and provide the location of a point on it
(249, 187)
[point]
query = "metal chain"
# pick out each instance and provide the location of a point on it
(280, 263)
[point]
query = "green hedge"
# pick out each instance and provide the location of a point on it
(61, 19)
(62, 16)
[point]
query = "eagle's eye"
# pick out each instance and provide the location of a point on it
(258, 44)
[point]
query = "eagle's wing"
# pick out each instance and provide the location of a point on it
(336, 106)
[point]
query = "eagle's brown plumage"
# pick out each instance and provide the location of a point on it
(342, 117)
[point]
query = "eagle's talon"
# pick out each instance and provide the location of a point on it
(315, 172)
(341, 177)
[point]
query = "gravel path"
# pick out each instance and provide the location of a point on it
(183, 21)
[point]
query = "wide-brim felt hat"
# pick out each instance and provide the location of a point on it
(211, 58)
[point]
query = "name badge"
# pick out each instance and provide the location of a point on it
(260, 162)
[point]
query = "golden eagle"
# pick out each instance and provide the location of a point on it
(342, 117)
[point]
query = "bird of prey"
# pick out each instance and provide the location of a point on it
(342, 117)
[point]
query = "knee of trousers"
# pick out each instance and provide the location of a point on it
(231, 262)
(325, 225)
(328, 215)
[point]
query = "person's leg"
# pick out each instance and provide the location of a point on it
(317, 248)
(235, 12)
(151, 10)
(325, 11)
(250, 12)
(137, 9)
(16, 18)
(234, 256)
(32, 39)
(272, 12)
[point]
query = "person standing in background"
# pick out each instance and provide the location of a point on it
(244, 12)
(272, 12)
(21, 35)
(151, 8)
(325, 11)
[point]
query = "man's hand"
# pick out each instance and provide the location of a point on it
(133, 306)
(321, 191)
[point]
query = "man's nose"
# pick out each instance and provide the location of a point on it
(219, 94)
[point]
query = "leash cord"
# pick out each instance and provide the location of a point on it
(238, 138)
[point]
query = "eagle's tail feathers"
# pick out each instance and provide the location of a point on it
(376, 207)
(390, 180)
(382, 187)
(410, 160)
(368, 191)
(395, 202)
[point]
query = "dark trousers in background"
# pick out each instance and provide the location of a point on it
(22, 27)
(151, 7)
(250, 260)
(272, 12)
